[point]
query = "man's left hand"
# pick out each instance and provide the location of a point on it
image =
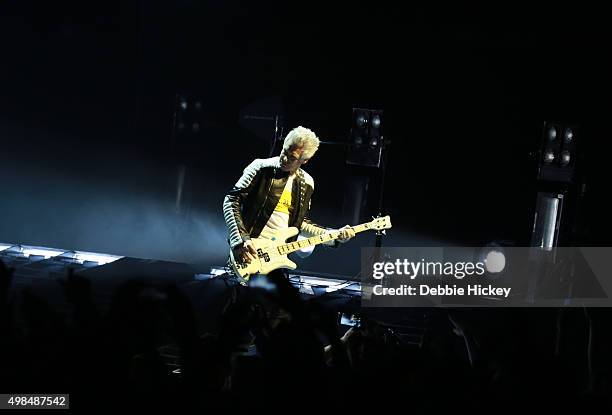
(346, 233)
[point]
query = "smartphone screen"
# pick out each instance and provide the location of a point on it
(349, 320)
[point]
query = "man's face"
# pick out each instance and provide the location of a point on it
(291, 159)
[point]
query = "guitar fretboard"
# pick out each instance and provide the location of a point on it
(319, 239)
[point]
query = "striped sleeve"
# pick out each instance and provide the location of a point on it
(233, 202)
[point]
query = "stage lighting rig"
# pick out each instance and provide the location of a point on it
(366, 143)
(558, 153)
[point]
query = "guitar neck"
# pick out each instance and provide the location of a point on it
(319, 239)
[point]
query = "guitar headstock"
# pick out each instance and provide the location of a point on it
(380, 223)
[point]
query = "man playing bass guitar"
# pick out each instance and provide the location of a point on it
(272, 195)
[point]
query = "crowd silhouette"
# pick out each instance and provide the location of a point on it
(269, 350)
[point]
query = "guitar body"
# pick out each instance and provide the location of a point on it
(268, 257)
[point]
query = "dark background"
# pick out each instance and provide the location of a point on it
(89, 160)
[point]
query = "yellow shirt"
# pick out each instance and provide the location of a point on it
(280, 217)
(284, 203)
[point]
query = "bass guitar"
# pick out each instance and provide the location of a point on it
(272, 252)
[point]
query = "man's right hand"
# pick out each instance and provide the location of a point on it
(245, 252)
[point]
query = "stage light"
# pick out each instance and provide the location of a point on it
(46, 253)
(188, 116)
(101, 259)
(568, 136)
(565, 158)
(547, 220)
(322, 285)
(376, 121)
(366, 138)
(549, 156)
(559, 188)
(183, 104)
(494, 258)
(361, 120)
(359, 132)
(218, 270)
(39, 251)
(558, 152)
(551, 133)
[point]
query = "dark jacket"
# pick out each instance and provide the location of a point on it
(250, 203)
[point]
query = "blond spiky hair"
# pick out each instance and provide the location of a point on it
(304, 138)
